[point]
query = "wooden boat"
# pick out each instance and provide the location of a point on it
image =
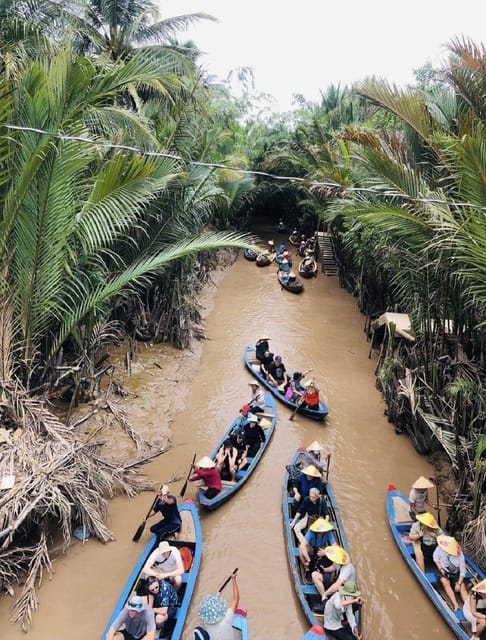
(253, 365)
(290, 282)
(249, 254)
(308, 267)
(189, 542)
(397, 508)
(316, 632)
(264, 259)
(268, 422)
(307, 593)
(294, 238)
(240, 625)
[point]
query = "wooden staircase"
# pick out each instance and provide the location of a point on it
(326, 253)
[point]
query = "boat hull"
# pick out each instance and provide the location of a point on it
(230, 488)
(397, 506)
(253, 366)
(190, 536)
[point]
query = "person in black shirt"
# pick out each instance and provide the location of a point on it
(254, 435)
(277, 373)
(260, 347)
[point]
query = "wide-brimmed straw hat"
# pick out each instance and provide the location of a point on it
(337, 554)
(422, 483)
(321, 525)
(349, 589)
(253, 384)
(212, 608)
(315, 446)
(428, 520)
(480, 587)
(309, 383)
(164, 546)
(206, 463)
(311, 470)
(449, 544)
(263, 338)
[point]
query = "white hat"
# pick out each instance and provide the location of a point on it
(251, 417)
(164, 546)
(165, 490)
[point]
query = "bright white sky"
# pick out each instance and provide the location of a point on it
(303, 47)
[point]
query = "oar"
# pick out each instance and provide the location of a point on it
(227, 580)
(438, 501)
(327, 467)
(299, 402)
(139, 531)
(183, 490)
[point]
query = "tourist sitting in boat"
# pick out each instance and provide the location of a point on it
(308, 478)
(266, 362)
(451, 568)
(261, 347)
(281, 249)
(308, 264)
(136, 620)
(242, 420)
(331, 578)
(241, 446)
(254, 435)
(166, 505)
(165, 563)
(163, 599)
(424, 534)
(257, 402)
(206, 471)
(302, 245)
(311, 507)
(419, 496)
(310, 397)
(217, 616)
(226, 460)
(474, 609)
(277, 373)
(310, 245)
(339, 617)
(319, 534)
(295, 389)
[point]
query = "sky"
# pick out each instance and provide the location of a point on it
(303, 47)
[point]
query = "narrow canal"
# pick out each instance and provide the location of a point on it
(322, 329)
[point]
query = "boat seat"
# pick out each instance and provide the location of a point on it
(431, 577)
(460, 615)
(185, 576)
(295, 551)
(309, 589)
(241, 474)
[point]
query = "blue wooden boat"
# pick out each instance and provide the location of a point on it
(240, 625)
(254, 367)
(250, 254)
(290, 282)
(397, 509)
(316, 632)
(307, 593)
(268, 422)
(189, 541)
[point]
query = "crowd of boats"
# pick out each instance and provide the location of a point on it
(282, 257)
(319, 556)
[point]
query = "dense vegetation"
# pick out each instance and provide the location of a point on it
(124, 170)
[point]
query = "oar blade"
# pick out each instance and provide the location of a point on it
(138, 532)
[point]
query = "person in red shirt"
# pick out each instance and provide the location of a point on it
(310, 397)
(206, 470)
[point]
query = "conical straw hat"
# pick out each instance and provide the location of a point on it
(428, 520)
(206, 463)
(422, 483)
(337, 554)
(480, 587)
(449, 544)
(321, 525)
(315, 446)
(311, 471)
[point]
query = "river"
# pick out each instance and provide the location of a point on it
(322, 329)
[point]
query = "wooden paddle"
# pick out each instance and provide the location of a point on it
(227, 580)
(298, 405)
(437, 506)
(139, 531)
(183, 490)
(327, 467)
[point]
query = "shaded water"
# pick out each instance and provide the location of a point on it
(322, 329)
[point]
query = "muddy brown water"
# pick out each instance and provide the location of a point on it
(195, 394)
